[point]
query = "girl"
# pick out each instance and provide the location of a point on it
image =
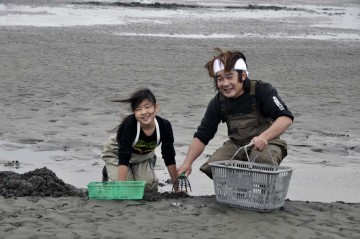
(128, 156)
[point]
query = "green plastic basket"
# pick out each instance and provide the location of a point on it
(123, 190)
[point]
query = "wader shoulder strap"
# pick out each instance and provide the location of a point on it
(223, 107)
(253, 93)
(252, 87)
(138, 133)
(157, 132)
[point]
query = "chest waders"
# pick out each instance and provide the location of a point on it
(242, 128)
(139, 168)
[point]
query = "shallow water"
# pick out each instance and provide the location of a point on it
(61, 63)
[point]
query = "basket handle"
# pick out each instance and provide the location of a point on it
(245, 146)
(247, 155)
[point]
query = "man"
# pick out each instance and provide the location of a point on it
(252, 110)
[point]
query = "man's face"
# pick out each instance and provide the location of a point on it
(228, 83)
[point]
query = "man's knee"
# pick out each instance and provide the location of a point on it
(206, 168)
(225, 152)
(272, 155)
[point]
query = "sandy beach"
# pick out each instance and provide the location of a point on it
(197, 217)
(61, 63)
(38, 204)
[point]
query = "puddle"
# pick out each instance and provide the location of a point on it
(72, 170)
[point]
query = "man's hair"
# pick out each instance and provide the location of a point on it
(228, 58)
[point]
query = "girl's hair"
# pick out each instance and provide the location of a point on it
(139, 96)
(228, 58)
(135, 99)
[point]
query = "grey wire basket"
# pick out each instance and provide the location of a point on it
(248, 185)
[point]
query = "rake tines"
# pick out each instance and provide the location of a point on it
(182, 182)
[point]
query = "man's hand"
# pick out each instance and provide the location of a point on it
(260, 143)
(184, 168)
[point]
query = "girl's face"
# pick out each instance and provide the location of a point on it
(145, 113)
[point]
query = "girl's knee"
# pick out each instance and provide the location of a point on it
(151, 186)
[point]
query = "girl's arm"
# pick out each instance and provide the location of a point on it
(122, 172)
(125, 138)
(172, 172)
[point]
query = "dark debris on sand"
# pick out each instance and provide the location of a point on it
(39, 182)
(44, 182)
(173, 6)
(155, 196)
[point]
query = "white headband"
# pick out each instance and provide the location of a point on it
(239, 65)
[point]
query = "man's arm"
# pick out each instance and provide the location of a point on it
(276, 129)
(195, 149)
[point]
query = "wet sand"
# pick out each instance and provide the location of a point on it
(53, 209)
(197, 217)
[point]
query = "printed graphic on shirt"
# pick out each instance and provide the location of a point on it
(277, 102)
(144, 147)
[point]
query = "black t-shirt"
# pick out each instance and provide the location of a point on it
(268, 103)
(146, 144)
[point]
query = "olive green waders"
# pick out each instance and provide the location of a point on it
(241, 130)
